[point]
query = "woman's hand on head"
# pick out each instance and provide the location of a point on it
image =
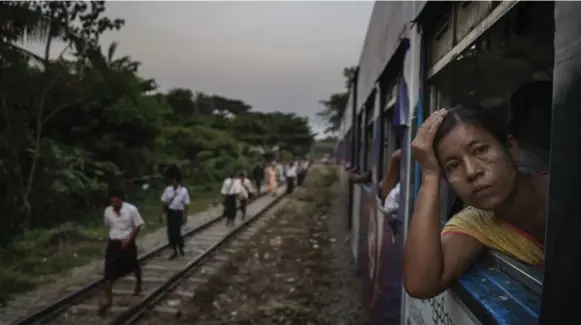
(422, 146)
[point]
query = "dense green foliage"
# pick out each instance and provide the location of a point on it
(74, 125)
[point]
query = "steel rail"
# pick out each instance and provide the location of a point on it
(134, 313)
(54, 309)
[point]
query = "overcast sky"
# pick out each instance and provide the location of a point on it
(273, 55)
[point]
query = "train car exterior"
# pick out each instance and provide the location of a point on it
(417, 57)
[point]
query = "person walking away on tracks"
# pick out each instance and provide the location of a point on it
(246, 194)
(271, 180)
(175, 199)
(472, 150)
(281, 172)
(291, 175)
(258, 175)
(302, 172)
(124, 223)
(230, 191)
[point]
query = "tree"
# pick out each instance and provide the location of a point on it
(75, 125)
(336, 104)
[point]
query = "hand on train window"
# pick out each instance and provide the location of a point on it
(361, 178)
(423, 144)
(395, 156)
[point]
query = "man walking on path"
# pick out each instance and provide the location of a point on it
(124, 223)
(231, 189)
(175, 199)
(302, 172)
(258, 175)
(291, 175)
(247, 192)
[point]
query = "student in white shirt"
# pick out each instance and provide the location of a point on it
(291, 175)
(280, 172)
(175, 200)
(247, 192)
(124, 223)
(231, 190)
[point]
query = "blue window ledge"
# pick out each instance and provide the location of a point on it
(500, 290)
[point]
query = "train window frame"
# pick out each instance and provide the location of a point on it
(528, 276)
(359, 138)
(367, 120)
(387, 107)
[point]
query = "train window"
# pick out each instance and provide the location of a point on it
(367, 127)
(388, 137)
(359, 141)
(507, 70)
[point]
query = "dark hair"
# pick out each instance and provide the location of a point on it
(473, 115)
(174, 173)
(116, 192)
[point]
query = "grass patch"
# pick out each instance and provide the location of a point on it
(38, 253)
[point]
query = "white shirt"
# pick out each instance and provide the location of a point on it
(391, 204)
(181, 199)
(246, 185)
(291, 171)
(280, 172)
(231, 186)
(121, 225)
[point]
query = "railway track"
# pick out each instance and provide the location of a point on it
(166, 283)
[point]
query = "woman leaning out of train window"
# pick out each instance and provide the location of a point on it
(472, 150)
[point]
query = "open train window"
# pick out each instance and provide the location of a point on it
(389, 94)
(508, 70)
(367, 126)
(359, 143)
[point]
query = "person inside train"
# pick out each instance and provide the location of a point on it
(356, 177)
(471, 149)
(388, 192)
(530, 124)
(390, 180)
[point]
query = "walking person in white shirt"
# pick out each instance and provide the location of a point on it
(124, 223)
(302, 172)
(231, 189)
(291, 175)
(247, 192)
(175, 199)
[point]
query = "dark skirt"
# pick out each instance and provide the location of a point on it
(120, 261)
(174, 222)
(230, 206)
(290, 185)
(301, 177)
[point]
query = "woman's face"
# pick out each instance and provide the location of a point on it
(478, 168)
